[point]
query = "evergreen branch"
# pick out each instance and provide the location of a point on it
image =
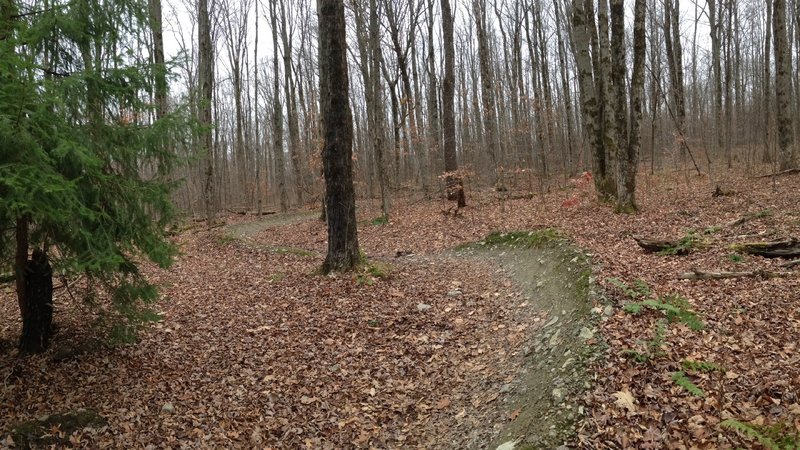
(36, 12)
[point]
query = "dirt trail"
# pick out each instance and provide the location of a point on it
(253, 227)
(537, 407)
(540, 409)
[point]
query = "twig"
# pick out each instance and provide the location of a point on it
(708, 275)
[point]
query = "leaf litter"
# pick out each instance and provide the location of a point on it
(256, 350)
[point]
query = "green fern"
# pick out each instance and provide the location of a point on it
(677, 310)
(639, 289)
(749, 431)
(642, 287)
(683, 381)
(701, 366)
(640, 358)
(683, 246)
(632, 308)
(659, 336)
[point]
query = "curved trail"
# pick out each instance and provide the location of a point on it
(537, 405)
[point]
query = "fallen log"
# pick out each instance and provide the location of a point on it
(791, 264)
(783, 172)
(709, 275)
(778, 249)
(660, 245)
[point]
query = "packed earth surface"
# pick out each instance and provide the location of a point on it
(521, 321)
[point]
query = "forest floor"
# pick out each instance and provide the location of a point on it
(445, 348)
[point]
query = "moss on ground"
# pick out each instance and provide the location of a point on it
(40, 432)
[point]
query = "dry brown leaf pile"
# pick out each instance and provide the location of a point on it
(255, 350)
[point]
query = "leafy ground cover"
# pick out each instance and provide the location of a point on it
(257, 350)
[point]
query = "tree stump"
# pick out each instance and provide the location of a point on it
(37, 316)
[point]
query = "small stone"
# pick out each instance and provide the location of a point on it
(558, 396)
(540, 284)
(608, 311)
(505, 388)
(168, 408)
(454, 293)
(586, 333)
(423, 307)
(554, 339)
(552, 321)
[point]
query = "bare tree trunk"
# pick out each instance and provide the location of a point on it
(337, 151)
(277, 112)
(206, 83)
(378, 115)
(730, 5)
(487, 87)
(434, 127)
(455, 190)
(618, 80)
(589, 101)
(257, 121)
(714, 18)
(565, 85)
(291, 108)
(626, 199)
(767, 155)
(674, 53)
(783, 68)
(161, 87)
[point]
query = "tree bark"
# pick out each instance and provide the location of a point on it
(487, 88)
(378, 115)
(337, 125)
(37, 317)
(783, 94)
(455, 190)
(206, 82)
(158, 58)
(626, 198)
(277, 113)
(291, 109)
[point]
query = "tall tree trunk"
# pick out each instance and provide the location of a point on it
(337, 126)
(34, 282)
(257, 121)
(434, 127)
(565, 85)
(206, 83)
(626, 199)
(590, 108)
(619, 79)
(767, 89)
(730, 5)
(783, 94)
(291, 108)
(378, 115)
(674, 53)
(158, 58)
(715, 24)
(277, 112)
(487, 87)
(455, 190)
